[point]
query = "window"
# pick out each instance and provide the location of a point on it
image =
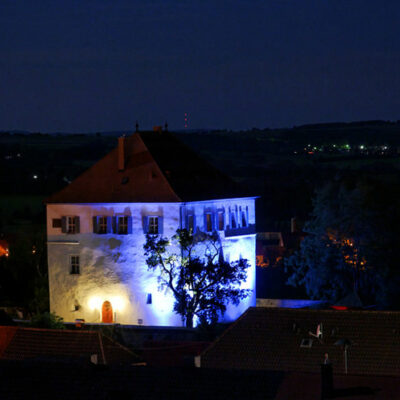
(233, 220)
(69, 224)
(57, 223)
(122, 225)
(209, 224)
(190, 223)
(102, 225)
(221, 220)
(153, 225)
(244, 219)
(74, 265)
(149, 299)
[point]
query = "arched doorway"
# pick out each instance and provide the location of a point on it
(107, 312)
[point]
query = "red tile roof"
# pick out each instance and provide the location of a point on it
(159, 168)
(27, 343)
(269, 339)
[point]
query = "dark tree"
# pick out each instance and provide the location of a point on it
(351, 244)
(193, 268)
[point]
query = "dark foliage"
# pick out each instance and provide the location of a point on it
(352, 244)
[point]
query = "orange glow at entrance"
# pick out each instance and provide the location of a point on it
(107, 312)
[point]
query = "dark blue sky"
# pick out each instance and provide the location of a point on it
(97, 65)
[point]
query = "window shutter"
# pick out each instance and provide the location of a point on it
(194, 223)
(145, 224)
(160, 225)
(129, 225)
(205, 222)
(77, 225)
(64, 224)
(114, 225)
(94, 224)
(109, 225)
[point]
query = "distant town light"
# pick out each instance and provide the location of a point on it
(35, 176)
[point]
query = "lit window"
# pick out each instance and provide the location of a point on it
(74, 265)
(221, 221)
(122, 225)
(209, 224)
(153, 225)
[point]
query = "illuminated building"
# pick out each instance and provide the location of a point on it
(96, 226)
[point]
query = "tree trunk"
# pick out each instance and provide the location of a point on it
(189, 321)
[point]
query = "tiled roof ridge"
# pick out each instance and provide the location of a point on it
(65, 192)
(225, 332)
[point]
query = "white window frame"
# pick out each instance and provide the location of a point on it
(153, 224)
(74, 265)
(70, 224)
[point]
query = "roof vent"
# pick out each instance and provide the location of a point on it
(306, 343)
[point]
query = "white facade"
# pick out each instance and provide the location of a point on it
(87, 268)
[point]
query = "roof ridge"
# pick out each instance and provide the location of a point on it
(223, 334)
(120, 345)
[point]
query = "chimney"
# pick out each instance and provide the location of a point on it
(121, 153)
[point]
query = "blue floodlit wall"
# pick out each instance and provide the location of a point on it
(113, 267)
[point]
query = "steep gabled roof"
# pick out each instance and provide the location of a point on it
(18, 343)
(271, 338)
(158, 168)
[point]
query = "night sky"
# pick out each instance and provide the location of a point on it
(100, 65)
